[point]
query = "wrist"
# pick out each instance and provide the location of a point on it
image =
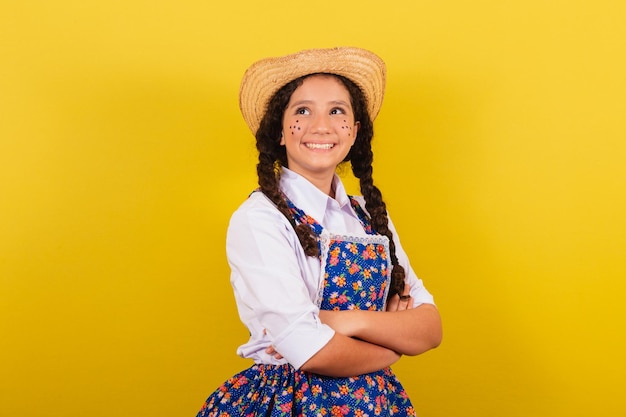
(358, 321)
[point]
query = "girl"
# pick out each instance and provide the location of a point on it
(320, 278)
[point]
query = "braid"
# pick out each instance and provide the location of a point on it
(376, 207)
(272, 156)
(362, 157)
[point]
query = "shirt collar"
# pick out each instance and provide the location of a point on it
(308, 197)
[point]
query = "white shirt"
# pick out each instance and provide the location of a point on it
(275, 283)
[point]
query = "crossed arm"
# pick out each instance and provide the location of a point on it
(366, 341)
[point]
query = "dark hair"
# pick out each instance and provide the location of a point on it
(272, 155)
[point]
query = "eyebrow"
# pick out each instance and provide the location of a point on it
(333, 102)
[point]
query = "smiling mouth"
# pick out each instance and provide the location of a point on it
(320, 145)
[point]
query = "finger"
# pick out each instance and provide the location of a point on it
(271, 351)
(405, 298)
(404, 304)
(393, 303)
(407, 289)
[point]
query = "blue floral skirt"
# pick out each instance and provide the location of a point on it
(280, 390)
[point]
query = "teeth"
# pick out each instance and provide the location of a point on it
(319, 145)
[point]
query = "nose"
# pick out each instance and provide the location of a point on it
(321, 124)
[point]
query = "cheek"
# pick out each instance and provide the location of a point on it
(346, 128)
(294, 127)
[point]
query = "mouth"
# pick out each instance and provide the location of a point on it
(324, 146)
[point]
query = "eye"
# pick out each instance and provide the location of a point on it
(337, 110)
(302, 110)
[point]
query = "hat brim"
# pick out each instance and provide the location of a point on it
(265, 77)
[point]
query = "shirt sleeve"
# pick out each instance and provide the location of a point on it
(418, 292)
(272, 293)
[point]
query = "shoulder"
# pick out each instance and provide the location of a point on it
(359, 199)
(257, 228)
(257, 211)
(360, 203)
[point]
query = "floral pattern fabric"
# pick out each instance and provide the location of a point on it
(280, 391)
(356, 276)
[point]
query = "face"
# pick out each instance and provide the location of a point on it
(318, 128)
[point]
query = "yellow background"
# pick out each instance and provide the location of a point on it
(500, 149)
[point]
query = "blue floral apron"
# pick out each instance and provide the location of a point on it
(356, 275)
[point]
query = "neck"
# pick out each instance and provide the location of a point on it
(324, 182)
(325, 185)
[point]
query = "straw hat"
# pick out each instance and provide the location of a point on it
(265, 77)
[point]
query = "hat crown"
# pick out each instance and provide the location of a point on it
(265, 77)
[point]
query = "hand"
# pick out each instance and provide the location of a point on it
(401, 302)
(271, 351)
